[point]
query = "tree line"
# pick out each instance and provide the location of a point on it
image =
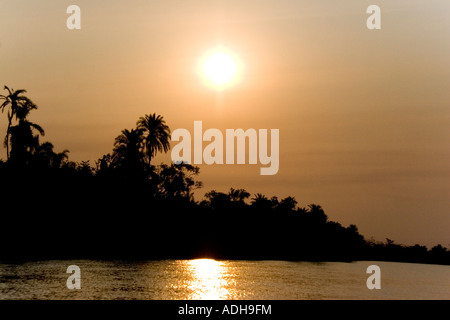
(126, 207)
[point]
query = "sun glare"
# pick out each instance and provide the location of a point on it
(209, 280)
(220, 69)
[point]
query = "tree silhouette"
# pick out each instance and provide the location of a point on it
(238, 195)
(260, 203)
(216, 201)
(287, 205)
(128, 151)
(223, 225)
(178, 181)
(105, 166)
(44, 156)
(23, 142)
(156, 135)
(233, 201)
(316, 212)
(14, 100)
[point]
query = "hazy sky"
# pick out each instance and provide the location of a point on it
(363, 114)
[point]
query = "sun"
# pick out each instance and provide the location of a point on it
(220, 68)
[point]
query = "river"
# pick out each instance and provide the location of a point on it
(213, 280)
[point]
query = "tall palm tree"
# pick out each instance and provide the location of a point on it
(14, 99)
(156, 135)
(128, 148)
(22, 140)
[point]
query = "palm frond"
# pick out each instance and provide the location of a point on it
(37, 127)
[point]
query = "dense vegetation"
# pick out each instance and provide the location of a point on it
(124, 207)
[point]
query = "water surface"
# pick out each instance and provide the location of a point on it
(211, 279)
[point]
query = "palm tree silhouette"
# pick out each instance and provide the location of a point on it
(128, 149)
(156, 135)
(238, 195)
(261, 203)
(45, 155)
(22, 140)
(14, 99)
(260, 198)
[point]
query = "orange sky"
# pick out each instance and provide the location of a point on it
(363, 115)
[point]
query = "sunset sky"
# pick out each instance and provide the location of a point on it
(364, 115)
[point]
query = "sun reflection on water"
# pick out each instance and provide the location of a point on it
(208, 280)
